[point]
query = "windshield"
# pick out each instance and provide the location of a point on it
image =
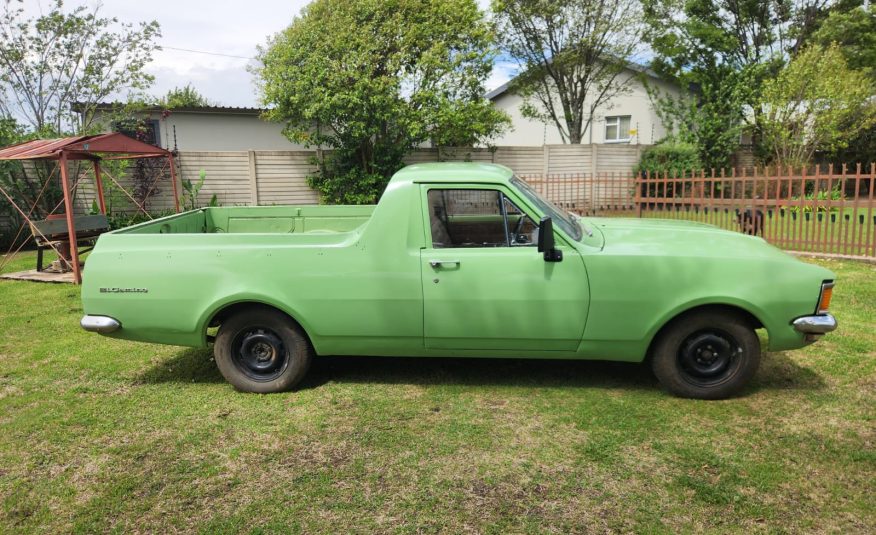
(564, 220)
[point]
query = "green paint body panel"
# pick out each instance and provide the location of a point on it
(358, 279)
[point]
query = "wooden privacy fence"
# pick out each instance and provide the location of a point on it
(280, 177)
(829, 210)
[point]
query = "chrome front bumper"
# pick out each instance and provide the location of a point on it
(815, 325)
(99, 324)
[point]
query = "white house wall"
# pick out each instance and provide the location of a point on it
(211, 131)
(635, 103)
(222, 132)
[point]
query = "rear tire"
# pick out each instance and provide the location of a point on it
(709, 355)
(261, 350)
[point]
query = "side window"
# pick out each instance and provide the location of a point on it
(477, 218)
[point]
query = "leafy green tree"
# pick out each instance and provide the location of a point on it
(855, 33)
(815, 103)
(371, 80)
(50, 62)
(854, 30)
(724, 50)
(709, 117)
(741, 34)
(573, 56)
(183, 97)
(9, 133)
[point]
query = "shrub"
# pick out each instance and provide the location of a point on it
(820, 198)
(670, 156)
(354, 186)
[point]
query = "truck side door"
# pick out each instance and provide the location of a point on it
(485, 286)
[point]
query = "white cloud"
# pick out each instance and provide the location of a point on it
(503, 70)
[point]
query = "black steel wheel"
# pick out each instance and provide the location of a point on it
(260, 354)
(262, 350)
(706, 355)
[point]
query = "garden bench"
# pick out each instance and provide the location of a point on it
(50, 233)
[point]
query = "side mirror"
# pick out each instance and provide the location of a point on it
(546, 240)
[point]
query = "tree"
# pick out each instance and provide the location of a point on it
(725, 50)
(854, 30)
(815, 103)
(183, 97)
(741, 34)
(10, 133)
(60, 58)
(710, 116)
(572, 56)
(371, 80)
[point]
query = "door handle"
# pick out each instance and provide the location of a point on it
(439, 263)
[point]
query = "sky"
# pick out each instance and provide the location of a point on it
(233, 28)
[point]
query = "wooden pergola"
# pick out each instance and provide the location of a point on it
(96, 148)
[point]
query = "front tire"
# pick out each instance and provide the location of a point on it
(709, 355)
(262, 350)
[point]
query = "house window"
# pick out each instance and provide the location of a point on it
(147, 131)
(617, 129)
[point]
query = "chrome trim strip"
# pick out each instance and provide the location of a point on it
(99, 324)
(820, 324)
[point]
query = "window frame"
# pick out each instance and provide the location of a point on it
(503, 194)
(154, 126)
(523, 213)
(156, 131)
(617, 124)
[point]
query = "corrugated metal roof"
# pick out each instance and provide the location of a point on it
(79, 147)
(107, 106)
(38, 148)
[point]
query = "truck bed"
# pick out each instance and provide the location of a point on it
(258, 220)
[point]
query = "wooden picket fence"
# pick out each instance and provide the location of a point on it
(828, 211)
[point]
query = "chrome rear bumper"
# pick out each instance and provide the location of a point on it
(99, 324)
(819, 324)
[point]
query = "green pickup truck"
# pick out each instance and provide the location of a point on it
(457, 259)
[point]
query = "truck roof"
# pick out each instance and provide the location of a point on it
(454, 172)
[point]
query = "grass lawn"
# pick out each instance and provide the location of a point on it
(105, 435)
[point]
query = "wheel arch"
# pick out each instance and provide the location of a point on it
(227, 308)
(737, 309)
